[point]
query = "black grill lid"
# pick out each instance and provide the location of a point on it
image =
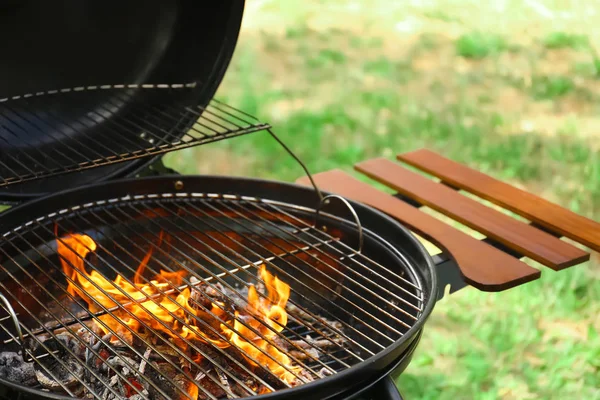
(86, 80)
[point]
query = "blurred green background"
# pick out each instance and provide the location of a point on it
(508, 87)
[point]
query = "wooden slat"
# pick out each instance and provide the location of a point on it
(482, 265)
(517, 235)
(544, 213)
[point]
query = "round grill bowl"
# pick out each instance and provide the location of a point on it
(385, 242)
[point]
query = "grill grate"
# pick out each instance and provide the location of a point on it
(60, 131)
(338, 295)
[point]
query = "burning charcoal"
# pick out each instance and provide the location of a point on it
(313, 347)
(125, 389)
(100, 348)
(163, 374)
(134, 389)
(282, 344)
(322, 344)
(198, 296)
(121, 361)
(245, 379)
(223, 379)
(68, 373)
(307, 376)
(167, 351)
(224, 361)
(209, 321)
(143, 362)
(303, 317)
(15, 369)
(266, 376)
(231, 299)
(236, 300)
(204, 295)
(66, 341)
(129, 387)
(209, 384)
(214, 291)
(324, 372)
(306, 354)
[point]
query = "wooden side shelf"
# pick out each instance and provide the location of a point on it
(544, 213)
(492, 264)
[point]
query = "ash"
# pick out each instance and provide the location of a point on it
(114, 368)
(14, 368)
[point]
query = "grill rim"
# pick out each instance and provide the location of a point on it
(420, 261)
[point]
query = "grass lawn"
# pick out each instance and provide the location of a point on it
(508, 87)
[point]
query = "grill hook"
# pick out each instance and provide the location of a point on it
(295, 157)
(327, 200)
(13, 316)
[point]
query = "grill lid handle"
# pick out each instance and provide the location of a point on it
(327, 200)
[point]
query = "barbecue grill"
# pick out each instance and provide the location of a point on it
(116, 284)
(120, 278)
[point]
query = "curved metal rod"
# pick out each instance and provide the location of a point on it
(13, 316)
(306, 171)
(326, 200)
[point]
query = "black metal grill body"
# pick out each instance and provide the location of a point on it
(96, 91)
(386, 243)
(48, 47)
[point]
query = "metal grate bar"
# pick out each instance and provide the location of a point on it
(219, 239)
(216, 122)
(106, 126)
(114, 333)
(135, 128)
(203, 353)
(362, 277)
(263, 259)
(46, 370)
(18, 151)
(50, 352)
(157, 335)
(166, 292)
(213, 276)
(183, 266)
(190, 284)
(19, 123)
(173, 290)
(333, 304)
(165, 267)
(212, 121)
(243, 283)
(90, 143)
(38, 122)
(367, 270)
(348, 248)
(172, 346)
(61, 139)
(49, 332)
(59, 303)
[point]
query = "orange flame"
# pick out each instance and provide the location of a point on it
(137, 278)
(264, 315)
(193, 391)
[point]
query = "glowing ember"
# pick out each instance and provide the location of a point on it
(265, 315)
